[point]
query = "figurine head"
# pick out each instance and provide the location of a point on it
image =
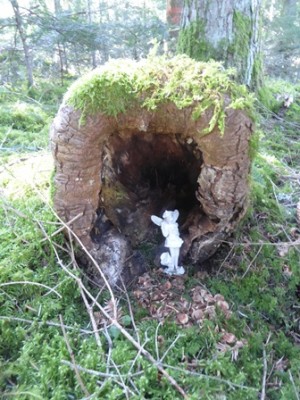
(171, 216)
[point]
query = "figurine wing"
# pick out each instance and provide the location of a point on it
(156, 220)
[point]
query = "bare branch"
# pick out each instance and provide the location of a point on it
(32, 283)
(80, 381)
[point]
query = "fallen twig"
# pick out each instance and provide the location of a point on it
(265, 370)
(210, 377)
(80, 381)
(31, 283)
(86, 303)
(48, 323)
(62, 228)
(101, 374)
(294, 386)
(252, 261)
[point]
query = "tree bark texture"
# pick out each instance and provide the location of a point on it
(223, 30)
(114, 173)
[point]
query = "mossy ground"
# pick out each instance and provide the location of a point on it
(257, 272)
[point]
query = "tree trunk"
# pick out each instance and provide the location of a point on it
(20, 28)
(61, 48)
(89, 17)
(224, 30)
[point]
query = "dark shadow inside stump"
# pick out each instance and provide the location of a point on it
(145, 174)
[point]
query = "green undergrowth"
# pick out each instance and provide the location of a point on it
(34, 356)
(273, 95)
(124, 84)
(257, 273)
(25, 116)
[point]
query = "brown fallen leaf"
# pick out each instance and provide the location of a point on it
(229, 338)
(282, 364)
(183, 319)
(197, 298)
(197, 314)
(219, 297)
(224, 306)
(287, 271)
(167, 285)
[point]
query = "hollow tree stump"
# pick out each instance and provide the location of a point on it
(134, 139)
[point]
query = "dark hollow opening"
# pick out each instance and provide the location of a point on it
(146, 174)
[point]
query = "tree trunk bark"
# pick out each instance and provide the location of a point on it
(224, 30)
(20, 28)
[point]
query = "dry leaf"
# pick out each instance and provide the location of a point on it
(138, 293)
(209, 298)
(197, 315)
(294, 232)
(183, 319)
(224, 306)
(229, 338)
(281, 364)
(160, 339)
(219, 297)
(97, 317)
(210, 311)
(283, 249)
(287, 271)
(167, 285)
(223, 347)
(197, 297)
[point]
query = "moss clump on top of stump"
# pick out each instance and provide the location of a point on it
(136, 138)
(121, 85)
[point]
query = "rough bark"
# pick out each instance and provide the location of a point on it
(223, 30)
(116, 172)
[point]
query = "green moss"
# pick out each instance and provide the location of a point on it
(240, 45)
(192, 42)
(123, 84)
(257, 72)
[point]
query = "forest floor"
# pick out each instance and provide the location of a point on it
(230, 330)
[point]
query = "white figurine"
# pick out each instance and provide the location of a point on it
(169, 228)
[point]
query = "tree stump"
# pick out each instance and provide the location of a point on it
(135, 139)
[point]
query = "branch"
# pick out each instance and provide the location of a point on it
(32, 283)
(48, 323)
(80, 381)
(265, 370)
